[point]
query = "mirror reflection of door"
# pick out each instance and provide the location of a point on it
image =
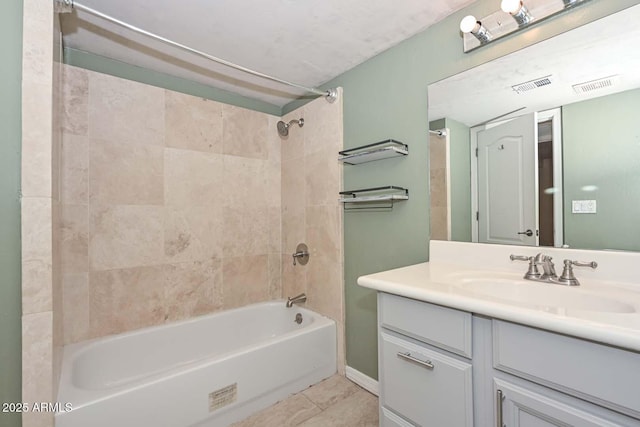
(506, 180)
(518, 181)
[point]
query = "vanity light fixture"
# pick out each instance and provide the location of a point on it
(514, 15)
(470, 25)
(518, 10)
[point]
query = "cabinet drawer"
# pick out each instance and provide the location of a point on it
(423, 385)
(442, 327)
(601, 374)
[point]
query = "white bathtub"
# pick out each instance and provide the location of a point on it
(208, 371)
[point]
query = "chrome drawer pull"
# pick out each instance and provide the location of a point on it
(408, 357)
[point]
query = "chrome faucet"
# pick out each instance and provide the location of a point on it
(297, 299)
(548, 267)
(549, 271)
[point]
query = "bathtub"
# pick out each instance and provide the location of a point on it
(207, 371)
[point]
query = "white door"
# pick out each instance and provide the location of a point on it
(507, 187)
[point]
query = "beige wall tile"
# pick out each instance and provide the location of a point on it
(37, 142)
(193, 233)
(292, 145)
(74, 170)
(325, 287)
(437, 153)
(126, 236)
(275, 276)
(246, 183)
(245, 132)
(274, 143)
(125, 174)
(246, 232)
(37, 254)
(438, 187)
(75, 101)
(192, 288)
(293, 185)
(193, 123)
(125, 111)
(76, 307)
(37, 42)
(274, 224)
(37, 357)
(294, 277)
(324, 231)
(192, 178)
(245, 280)
(323, 126)
(121, 300)
(37, 279)
(323, 178)
(74, 239)
(438, 223)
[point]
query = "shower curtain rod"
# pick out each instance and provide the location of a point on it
(66, 6)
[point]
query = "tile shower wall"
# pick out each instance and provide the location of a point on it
(40, 210)
(170, 206)
(311, 180)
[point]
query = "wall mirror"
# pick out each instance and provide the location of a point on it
(541, 147)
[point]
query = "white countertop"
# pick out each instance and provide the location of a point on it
(448, 283)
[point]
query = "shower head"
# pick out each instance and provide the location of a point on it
(283, 128)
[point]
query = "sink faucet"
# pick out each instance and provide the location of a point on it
(547, 266)
(549, 275)
(297, 299)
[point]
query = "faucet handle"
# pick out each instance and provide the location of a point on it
(567, 277)
(532, 272)
(591, 264)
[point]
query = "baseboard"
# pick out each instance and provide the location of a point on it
(364, 381)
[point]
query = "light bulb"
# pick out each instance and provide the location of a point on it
(468, 24)
(511, 6)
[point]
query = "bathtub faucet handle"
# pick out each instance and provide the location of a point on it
(297, 299)
(301, 254)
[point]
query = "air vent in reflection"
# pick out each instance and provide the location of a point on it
(532, 84)
(598, 84)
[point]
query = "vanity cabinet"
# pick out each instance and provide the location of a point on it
(445, 367)
(425, 371)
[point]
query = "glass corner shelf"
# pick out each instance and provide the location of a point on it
(377, 151)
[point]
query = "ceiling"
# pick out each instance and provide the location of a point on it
(308, 42)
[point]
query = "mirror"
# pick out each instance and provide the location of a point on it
(542, 146)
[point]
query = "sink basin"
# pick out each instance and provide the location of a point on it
(543, 296)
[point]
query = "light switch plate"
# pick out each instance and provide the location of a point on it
(583, 206)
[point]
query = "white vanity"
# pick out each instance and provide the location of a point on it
(465, 341)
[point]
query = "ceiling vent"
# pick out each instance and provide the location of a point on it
(532, 84)
(598, 84)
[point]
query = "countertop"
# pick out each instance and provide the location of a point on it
(449, 284)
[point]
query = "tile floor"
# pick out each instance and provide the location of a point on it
(334, 402)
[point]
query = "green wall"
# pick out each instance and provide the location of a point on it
(10, 143)
(601, 148)
(105, 65)
(386, 97)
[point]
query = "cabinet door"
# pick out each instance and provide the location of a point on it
(521, 407)
(425, 386)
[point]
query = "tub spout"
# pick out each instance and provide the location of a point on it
(296, 299)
